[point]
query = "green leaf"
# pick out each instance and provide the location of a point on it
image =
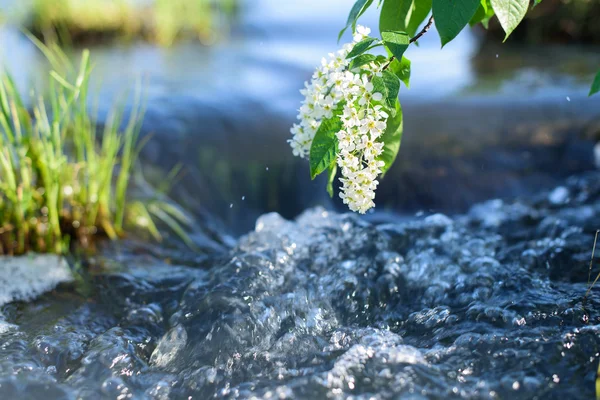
(403, 15)
(361, 60)
(536, 2)
(487, 6)
(392, 85)
(451, 16)
(388, 85)
(396, 42)
(360, 47)
(394, 15)
(402, 70)
(324, 147)
(357, 10)
(510, 13)
(379, 86)
(420, 11)
(331, 178)
(483, 14)
(595, 85)
(391, 139)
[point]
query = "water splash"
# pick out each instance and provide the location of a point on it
(485, 305)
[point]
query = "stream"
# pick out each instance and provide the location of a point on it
(480, 306)
(468, 282)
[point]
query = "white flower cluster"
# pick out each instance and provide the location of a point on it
(364, 121)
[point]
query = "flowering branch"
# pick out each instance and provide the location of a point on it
(351, 118)
(343, 123)
(412, 40)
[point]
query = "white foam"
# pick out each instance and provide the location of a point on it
(26, 277)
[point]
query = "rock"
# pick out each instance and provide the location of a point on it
(597, 155)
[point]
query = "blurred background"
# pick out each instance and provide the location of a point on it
(482, 119)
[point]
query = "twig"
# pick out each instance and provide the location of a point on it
(590, 269)
(592, 259)
(423, 31)
(412, 40)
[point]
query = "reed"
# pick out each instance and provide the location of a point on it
(64, 181)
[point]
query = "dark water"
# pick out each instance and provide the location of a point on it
(486, 305)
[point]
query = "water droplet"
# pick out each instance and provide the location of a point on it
(267, 168)
(568, 98)
(243, 198)
(231, 205)
(559, 195)
(496, 55)
(515, 385)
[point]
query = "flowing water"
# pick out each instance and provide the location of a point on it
(485, 305)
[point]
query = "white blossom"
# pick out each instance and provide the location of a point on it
(361, 33)
(363, 119)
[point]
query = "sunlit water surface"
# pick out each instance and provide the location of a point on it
(483, 306)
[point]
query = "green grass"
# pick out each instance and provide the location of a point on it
(161, 21)
(64, 182)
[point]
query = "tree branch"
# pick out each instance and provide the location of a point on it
(423, 31)
(413, 39)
